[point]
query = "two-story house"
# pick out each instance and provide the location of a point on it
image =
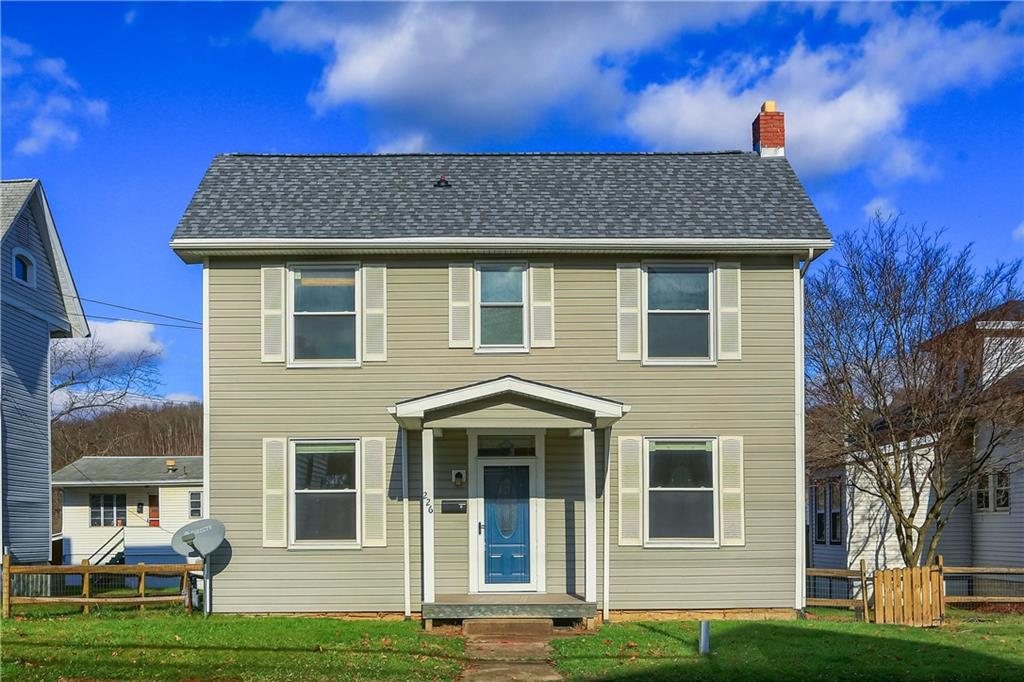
(38, 302)
(530, 384)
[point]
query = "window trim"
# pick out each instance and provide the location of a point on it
(190, 504)
(819, 487)
(990, 490)
(20, 253)
(835, 484)
(290, 269)
(479, 347)
(681, 543)
(712, 359)
(357, 543)
(114, 510)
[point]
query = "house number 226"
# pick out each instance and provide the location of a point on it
(428, 502)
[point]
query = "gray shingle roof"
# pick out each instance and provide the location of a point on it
(13, 194)
(567, 195)
(138, 470)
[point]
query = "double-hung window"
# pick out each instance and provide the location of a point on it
(678, 324)
(993, 492)
(324, 318)
(820, 495)
(325, 492)
(682, 505)
(501, 307)
(195, 504)
(108, 510)
(835, 512)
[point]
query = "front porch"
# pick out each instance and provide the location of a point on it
(510, 478)
(524, 605)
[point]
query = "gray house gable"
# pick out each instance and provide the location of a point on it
(30, 316)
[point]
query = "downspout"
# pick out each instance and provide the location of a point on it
(403, 443)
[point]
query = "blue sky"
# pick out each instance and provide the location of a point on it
(119, 107)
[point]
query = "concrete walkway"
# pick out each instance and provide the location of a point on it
(509, 658)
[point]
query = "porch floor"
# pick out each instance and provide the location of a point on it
(522, 605)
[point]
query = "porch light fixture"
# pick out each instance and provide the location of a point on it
(459, 477)
(138, 508)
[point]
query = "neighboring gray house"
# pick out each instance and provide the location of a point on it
(462, 385)
(846, 523)
(125, 509)
(39, 302)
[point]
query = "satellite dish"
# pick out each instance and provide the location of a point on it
(199, 537)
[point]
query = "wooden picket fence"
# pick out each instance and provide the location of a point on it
(909, 596)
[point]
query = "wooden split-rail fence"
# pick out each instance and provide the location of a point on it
(86, 598)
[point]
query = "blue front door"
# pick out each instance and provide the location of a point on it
(506, 524)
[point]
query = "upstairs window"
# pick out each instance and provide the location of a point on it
(23, 267)
(107, 510)
(681, 491)
(324, 318)
(501, 307)
(677, 319)
(195, 505)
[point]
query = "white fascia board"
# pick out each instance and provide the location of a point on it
(192, 249)
(127, 483)
(415, 409)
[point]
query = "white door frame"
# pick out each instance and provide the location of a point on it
(538, 565)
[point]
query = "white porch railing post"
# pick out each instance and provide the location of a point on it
(428, 515)
(589, 516)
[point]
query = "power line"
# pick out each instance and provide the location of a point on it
(138, 310)
(158, 324)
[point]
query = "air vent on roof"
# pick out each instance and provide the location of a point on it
(171, 465)
(442, 182)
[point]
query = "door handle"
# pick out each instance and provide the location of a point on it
(480, 528)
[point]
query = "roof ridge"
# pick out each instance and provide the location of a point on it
(723, 152)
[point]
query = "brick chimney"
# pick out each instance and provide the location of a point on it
(769, 130)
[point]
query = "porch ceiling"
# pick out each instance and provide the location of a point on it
(565, 407)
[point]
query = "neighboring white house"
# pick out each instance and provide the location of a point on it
(846, 522)
(125, 509)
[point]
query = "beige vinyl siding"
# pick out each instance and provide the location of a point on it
(753, 398)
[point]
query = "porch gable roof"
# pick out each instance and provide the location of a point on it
(410, 413)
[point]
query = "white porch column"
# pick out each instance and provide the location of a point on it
(428, 515)
(589, 517)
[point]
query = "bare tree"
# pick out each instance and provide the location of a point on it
(87, 378)
(914, 373)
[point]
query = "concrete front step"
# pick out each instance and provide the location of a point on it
(507, 627)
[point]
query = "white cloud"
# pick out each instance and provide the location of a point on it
(408, 144)
(126, 338)
(879, 206)
(845, 104)
(1018, 233)
(43, 103)
(452, 71)
(182, 398)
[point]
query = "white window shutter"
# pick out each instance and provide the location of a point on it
(542, 305)
(275, 492)
(628, 304)
(460, 305)
(631, 499)
(730, 480)
(375, 313)
(729, 333)
(375, 492)
(272, 308)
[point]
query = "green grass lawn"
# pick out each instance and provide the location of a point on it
(166, 644)
(970, 647)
